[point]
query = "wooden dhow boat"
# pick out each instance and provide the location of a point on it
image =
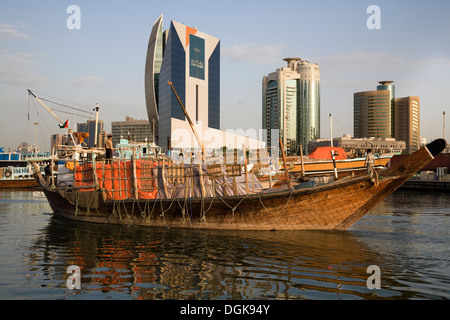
(162, 194)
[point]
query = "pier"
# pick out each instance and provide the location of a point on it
(430, 181)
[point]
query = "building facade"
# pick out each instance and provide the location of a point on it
(407, 122)
(190, 60)
(373, 112)
(59, 140)
(291, 104)
(357, 147)
(153, 64)
(89, 127)
(380, 114)
(131, 129)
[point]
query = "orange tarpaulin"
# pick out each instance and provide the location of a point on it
(324, 153)
(117, 179)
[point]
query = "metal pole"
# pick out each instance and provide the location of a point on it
(331, 131)
(96, 126)
(153, 129)
(443, 127)
(35, 138)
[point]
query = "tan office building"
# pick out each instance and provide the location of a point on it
(407, 122)
(372, 116)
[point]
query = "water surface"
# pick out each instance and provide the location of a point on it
(406, 236)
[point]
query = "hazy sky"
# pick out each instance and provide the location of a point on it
(103, 61)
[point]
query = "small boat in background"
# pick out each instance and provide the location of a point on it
(328, 160)
(15, 171)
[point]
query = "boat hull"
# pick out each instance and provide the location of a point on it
(336, 206)
(18, 183)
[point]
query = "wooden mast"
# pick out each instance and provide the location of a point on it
(286, 170)
(189, 120)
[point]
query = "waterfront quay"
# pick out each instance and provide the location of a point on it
(433, 177)
(429, 180)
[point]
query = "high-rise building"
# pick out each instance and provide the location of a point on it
(190, 59)
(407, 122)
(380, 114)
(372, 113)
(291, 104)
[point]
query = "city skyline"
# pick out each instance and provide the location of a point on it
(104, 60)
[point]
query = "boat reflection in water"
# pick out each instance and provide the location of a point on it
(136, 263)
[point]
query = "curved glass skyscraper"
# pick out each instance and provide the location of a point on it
(190, 59)
(152, 70)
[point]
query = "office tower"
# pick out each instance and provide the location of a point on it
(291, 104)
(190, 59)
(373, 112)
(131, 129)
(407, 122)
(379, 114)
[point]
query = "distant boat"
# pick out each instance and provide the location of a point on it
(15, 171)
(320, 162)
(161, 194)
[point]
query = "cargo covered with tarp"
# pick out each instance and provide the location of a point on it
(151, 180)
(118, 179)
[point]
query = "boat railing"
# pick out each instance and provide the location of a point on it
(152, 178)
(156, 176)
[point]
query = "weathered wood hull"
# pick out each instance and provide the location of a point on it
(18, 183)
(335, 206)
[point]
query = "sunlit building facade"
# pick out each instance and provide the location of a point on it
(373, 112)
(190, 59)
(407, 122)
(380, 114)
(291, 104)
(135, 131)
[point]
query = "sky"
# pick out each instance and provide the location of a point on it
(103, 60)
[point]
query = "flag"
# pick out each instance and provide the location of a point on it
(65, 125)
